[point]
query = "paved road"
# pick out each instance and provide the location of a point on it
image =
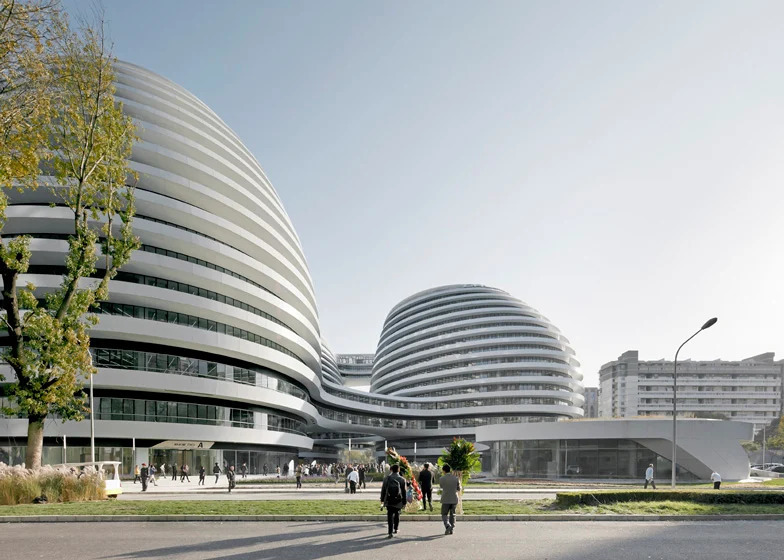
(354, 541)
(168, 490)
(222, 494)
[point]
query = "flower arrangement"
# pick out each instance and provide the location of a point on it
(394, 458)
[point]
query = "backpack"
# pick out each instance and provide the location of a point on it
(393, 490)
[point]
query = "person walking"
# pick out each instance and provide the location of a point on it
(244, 470)
(426, 485)
(136, 474)
(450, 489)
(353, 480)
(716, 480)
(299, 476)
(361, 477)
(144, 474)
(184, 473)
(277, 471)
(230, 476)
(202, 474)
(152, 475)
(163, 470)
(216, 472)
(393, 497)
(174, 471)
(649, 477)
(264, 469)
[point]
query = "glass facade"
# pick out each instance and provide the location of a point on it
(181, 365)
(576, 458)
(256, 460)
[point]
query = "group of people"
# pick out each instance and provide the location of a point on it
(715, 479)
(394, 489)
(146, 474)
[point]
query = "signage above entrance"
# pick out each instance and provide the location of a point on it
(178, 444)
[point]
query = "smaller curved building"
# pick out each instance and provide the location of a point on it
(476, 347)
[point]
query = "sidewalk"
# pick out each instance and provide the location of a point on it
(176, 490)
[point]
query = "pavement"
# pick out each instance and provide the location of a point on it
(713, 540)
(175, 490)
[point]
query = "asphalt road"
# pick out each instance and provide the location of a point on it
(715, 540)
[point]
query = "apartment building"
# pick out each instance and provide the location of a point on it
(747, 390)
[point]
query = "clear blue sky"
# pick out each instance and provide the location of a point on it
(617, 165)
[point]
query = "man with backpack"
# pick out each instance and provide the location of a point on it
(393, 497)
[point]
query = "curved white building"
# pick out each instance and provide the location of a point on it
(210, 350)
(478, 348)
(211, 331)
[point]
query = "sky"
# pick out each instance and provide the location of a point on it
(616, 165)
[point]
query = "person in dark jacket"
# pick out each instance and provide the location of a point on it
(361, 477)
(144, 474)
(202, 474)
(216, 472)
(426, 484)
(230, 475)
(393, 497)
(174, 471)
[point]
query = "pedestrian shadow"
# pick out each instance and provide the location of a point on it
(372, 544)
(291, 545)
(215, 546)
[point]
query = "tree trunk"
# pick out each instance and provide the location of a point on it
(459, 509)
(35, 442)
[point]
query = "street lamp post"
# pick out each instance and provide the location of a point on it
(92, 415)
(709, 323)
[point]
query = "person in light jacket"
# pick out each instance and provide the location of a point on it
(450, 489)
(716, 480)
(353, 480)
(649, 477)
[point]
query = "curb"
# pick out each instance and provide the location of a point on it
(373, 518)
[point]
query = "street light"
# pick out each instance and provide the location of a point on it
(92, 414)
(708, 324)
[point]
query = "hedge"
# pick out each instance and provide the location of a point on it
(567, 499)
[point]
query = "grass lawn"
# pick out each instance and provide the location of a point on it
(347, 507)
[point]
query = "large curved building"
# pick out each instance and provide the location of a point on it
(209, 349)
(211, 332)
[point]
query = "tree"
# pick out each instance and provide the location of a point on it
(27, 32)
(711, 415)
(463, 459)
(750, 446)
(776, 436)
(83, 155)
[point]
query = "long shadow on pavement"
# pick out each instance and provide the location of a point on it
(291, 546)
(216, 546)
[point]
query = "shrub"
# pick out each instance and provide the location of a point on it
(59, 484)
(568, 499)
